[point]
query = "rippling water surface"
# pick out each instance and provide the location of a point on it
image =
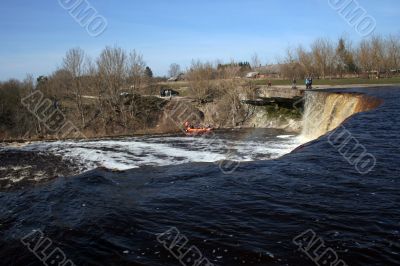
(249, 217)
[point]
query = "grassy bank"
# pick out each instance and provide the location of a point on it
(182, 86)
(332, 82)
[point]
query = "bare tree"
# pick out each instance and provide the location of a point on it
(112, 69)
(174, 70)
(306, 61)
(200, 77)
(112, 73)
(323, 54)
(255, 61)
(63, 83)
(230, 72)
(291, 67)
(74, 63)
(393, 53)
(136, 68)
(364, 59)
(29, 83)
(378, 55)
(230, 109)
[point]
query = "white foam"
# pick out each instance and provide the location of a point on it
(130, 153)
(285, 136)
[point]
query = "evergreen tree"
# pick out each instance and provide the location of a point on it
(148, 73)
(345, 58)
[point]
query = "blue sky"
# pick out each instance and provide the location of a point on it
(36, 34)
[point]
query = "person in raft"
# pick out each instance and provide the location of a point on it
(188, 125)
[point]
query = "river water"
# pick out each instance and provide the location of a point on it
(134, 152)
(250, 216)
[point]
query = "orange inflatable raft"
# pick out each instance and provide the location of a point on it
(191, 131)
(197, 131)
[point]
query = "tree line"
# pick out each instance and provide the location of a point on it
(100, 96)
(107, 94)
(375, 57)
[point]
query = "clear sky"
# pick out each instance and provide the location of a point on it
(36, 34)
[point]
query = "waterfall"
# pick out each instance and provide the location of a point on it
(325, 111)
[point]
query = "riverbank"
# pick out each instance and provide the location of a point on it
(165, 116)
(335, 82)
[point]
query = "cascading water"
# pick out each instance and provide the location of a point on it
(325, 111)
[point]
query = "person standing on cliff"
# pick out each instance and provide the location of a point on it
(294, 83)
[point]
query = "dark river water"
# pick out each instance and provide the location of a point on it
(251, 216)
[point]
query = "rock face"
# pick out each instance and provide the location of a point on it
(176, 113)
(220, 115)
(279, 118)
(268, 92)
